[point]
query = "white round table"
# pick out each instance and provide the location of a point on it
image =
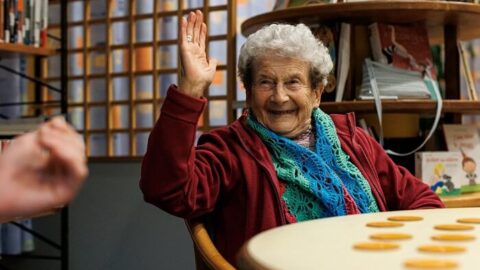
(328, 243)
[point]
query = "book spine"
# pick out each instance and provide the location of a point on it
(375, 44)
(19, 21)
(44, 23)
(465, 68)
(2, 21)
(37, 23)
(26, 26)
(10, 20)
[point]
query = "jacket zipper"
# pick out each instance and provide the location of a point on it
(272, 185)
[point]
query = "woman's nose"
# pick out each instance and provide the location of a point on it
(280, 95)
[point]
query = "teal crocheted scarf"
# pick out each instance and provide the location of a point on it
(315, 181)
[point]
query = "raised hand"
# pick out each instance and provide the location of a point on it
(198, 70)
(41, 170)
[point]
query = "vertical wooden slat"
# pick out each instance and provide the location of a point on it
(231, 58)
(63, 58)
(452, 77)
(155, 86)
(131, 68)
(86, 112)
(206, 111)
(108, 77)
(179, 19)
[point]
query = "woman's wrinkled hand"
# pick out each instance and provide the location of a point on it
(198, 69)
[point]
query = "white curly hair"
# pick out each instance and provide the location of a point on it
(288, 41)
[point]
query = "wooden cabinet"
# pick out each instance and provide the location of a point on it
(446, 22)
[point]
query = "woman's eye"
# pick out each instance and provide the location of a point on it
(266, 82)
(293, 82)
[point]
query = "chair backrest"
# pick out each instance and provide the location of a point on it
(206, 254)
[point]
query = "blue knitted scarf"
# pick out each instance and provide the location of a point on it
(314, 181)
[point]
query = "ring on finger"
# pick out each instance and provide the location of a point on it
(189, 38)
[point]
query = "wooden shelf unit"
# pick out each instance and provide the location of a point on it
(446, 22)
(9, 48)
(41, 106)
(403, 106)
(435, 15)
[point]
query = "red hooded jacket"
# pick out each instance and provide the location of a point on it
(229, 177)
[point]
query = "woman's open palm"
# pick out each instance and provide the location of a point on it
(198, 69)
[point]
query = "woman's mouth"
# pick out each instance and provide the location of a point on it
(279, 113)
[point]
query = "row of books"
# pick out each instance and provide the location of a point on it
(17, 126)
(13, 240)
(24, 22)
(401, 58)
(469, 52)
(398, 51)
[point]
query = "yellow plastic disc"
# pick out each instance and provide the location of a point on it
(441, 249)
(384, 224)
(375, 246)
(453, 227)
(391, 236)
(431, 264)
(469, 220)
(453, 237)
(405, 218)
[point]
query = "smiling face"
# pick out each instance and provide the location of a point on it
(281, 96)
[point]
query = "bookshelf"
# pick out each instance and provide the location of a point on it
(34, 104)
(446, 22)
(122, 57)
(8, 48)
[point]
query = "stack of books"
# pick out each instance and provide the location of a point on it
(13, 127)
(392, 82)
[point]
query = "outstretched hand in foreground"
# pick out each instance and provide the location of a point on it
(41, 170)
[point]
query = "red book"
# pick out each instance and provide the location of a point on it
(403, 46)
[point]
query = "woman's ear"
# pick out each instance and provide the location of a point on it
(317, 92)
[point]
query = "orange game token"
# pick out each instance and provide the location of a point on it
(384, 224)
(469, 220)
(453, 227)
(405, 218)
(431, 264)
(453, 237)
(375, 246)
(441, 249)
(390, 236)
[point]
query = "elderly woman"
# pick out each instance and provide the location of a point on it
(283, 161)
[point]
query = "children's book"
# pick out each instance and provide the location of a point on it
(465, 139)
(442, 171)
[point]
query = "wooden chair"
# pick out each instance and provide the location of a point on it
(206, 254)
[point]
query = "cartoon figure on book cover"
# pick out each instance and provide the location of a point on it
(469, 166)
(442, 182)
